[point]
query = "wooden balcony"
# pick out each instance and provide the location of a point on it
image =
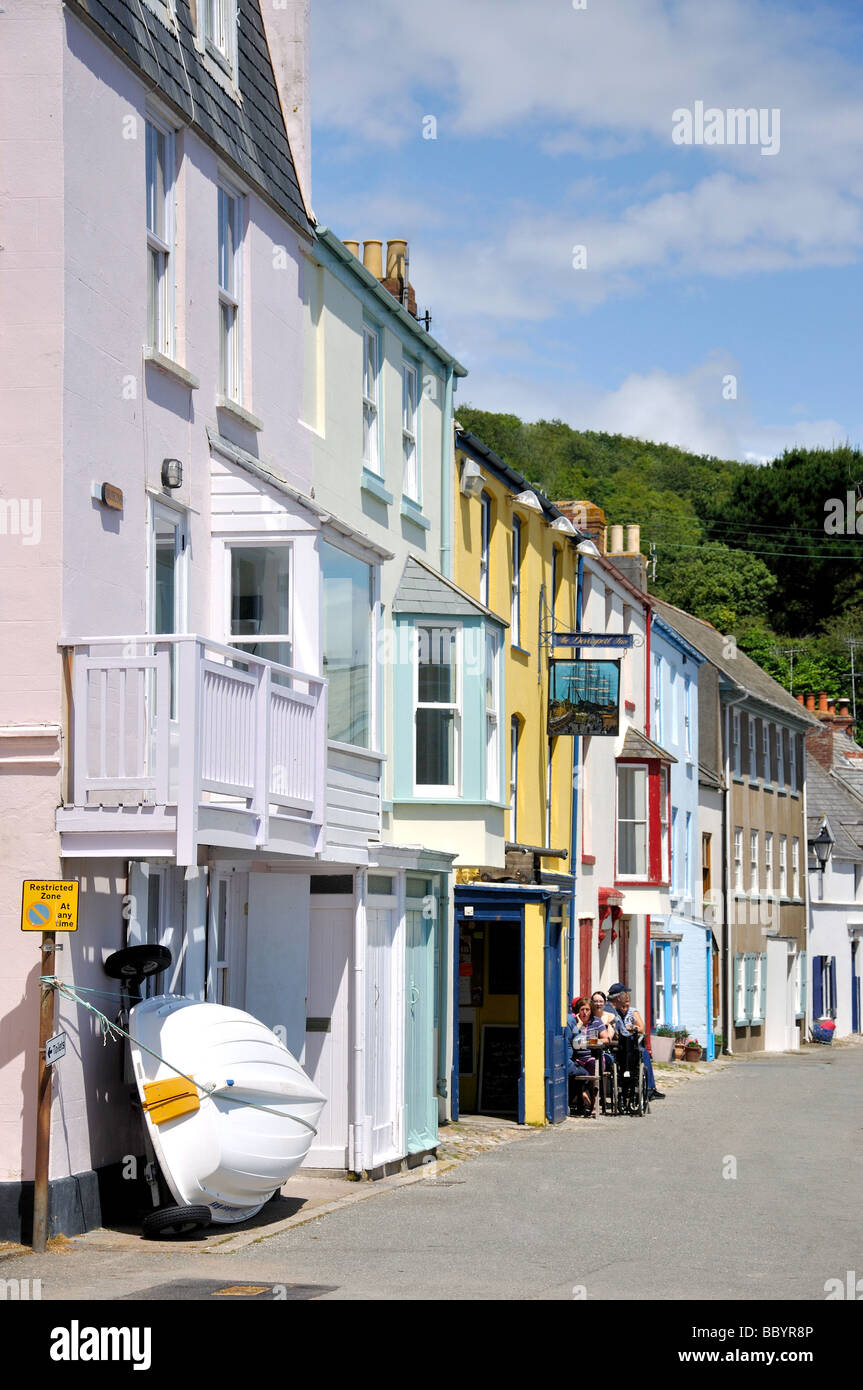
(178, 742)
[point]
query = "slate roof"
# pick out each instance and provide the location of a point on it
(250, 134)
(737, 668)
(827, 795)
(708, 778)
(638, 745)
(423, 590)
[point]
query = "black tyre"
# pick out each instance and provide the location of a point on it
(175, 1221)
(643, 1101)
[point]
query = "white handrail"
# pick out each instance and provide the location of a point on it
(151, 639)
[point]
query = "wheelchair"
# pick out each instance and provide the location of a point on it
(623, 1088)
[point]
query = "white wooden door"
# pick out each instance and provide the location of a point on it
(277, 955)
(383, 1035)
(775, 1020)
(326, 1054)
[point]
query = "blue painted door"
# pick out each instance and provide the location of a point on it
(556, 1107)
(855, 991)
(420, 1062)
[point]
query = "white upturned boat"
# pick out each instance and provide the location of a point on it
(232, 1138)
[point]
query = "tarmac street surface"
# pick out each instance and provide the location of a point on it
(742, 1184)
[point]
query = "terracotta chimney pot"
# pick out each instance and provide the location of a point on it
(354, 248)
(373, 258)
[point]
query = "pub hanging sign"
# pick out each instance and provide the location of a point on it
(584, 697)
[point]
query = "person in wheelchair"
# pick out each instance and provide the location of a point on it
(628, 1021)
(582, 1026)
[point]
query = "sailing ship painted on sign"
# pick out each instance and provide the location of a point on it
(584, 698)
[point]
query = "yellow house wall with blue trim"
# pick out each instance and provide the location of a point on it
(526, 697)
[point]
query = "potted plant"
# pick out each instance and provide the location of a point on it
(680, 1039)
(662, 1044)
(693, 1050)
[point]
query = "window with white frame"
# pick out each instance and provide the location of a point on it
(753, 749)
(657, 698)
(631, 822)
(741, 1001)
(160, 235)
(348, 594)
(371, 399)
(484, 547)
(687, 716)
(759, 982)
(795, 867)
(659, 996)
(230, 293)
(783, 866)
(664, 847)
(674, 962)
(687, 856)
(515, 620)
(792, 762)
(780, 758)
(738, 859)
(492, 716)
(735, 741)
(219, 27)
(438, 709)
(675, 852)
(410, 425)
(768, 860)
(514, 729)
(800, 984)
(260, 581)
(753, 861)
(765, 750)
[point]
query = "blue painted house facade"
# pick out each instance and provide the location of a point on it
(681, 942)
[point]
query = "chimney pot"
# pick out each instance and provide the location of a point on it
(810, 702)
(616, 547)
(354, 248)
(396, 253)
(822, 703)
(372, 258)
(800, 699)
(633, 539)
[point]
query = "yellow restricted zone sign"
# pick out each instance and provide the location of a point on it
(49, 905)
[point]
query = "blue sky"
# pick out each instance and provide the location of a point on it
(554, 130)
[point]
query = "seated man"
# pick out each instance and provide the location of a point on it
(629, 1020)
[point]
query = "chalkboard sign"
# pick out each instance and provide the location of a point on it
(499, 1069)
(466, 1063)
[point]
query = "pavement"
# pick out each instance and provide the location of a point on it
(743, 1183)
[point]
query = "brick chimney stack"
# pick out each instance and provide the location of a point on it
(587, 518)
(833, 741)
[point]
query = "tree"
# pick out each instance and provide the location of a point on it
(719, 585)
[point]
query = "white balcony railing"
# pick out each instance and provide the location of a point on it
(187, 723)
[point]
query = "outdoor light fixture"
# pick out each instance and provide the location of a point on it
(172, 473)
(587, 548)
(471, 478)
(822, 846)
(563, 523)
(528, 499)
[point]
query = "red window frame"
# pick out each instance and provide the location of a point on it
(657, 873)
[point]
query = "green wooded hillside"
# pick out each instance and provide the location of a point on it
(742, 545)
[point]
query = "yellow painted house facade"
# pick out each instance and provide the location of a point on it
(516, 554)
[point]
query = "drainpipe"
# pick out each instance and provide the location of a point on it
(576, 786)
(446, 483)
(727, 955)
(357, 1156)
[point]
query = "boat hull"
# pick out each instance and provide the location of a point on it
(257, 1111)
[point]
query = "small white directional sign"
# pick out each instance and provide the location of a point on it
(55, 1048)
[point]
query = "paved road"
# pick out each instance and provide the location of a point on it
(624, 1208)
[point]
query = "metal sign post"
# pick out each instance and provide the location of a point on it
(48, 906)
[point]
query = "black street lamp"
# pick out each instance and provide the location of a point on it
(822, 846)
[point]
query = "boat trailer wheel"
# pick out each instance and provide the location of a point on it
(174, 1221)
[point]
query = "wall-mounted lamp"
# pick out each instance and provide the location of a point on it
(471, 478)
(527, 499)
(172, 473)
(564, 525)
(822, 847)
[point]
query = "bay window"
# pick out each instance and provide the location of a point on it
(261, 601)
(492, 717)
(632, 822)
(437, 720)
(348, 592)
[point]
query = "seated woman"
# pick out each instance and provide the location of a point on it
(586, 1026)
(608, 1013)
